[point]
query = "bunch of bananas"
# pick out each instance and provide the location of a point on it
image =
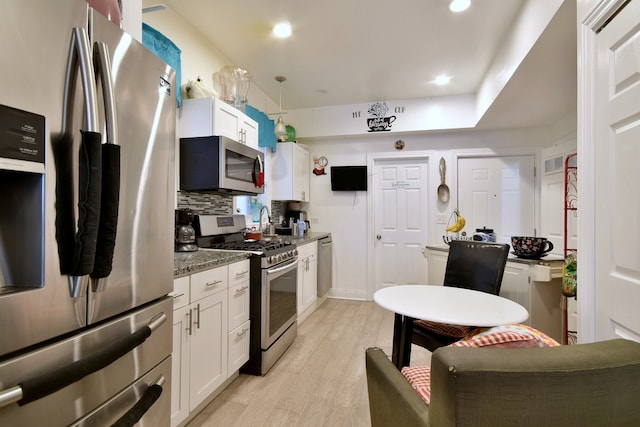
(459, 224)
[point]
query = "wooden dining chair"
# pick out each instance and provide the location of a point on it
(470, 265)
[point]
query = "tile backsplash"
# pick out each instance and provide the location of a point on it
(205, 203)
(216, 204)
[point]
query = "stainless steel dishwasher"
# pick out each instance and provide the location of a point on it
(325, 266)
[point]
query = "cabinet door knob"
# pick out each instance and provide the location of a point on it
(378, 237)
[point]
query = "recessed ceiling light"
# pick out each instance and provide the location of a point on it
(442, 80)
(459, 5)
(282, 30)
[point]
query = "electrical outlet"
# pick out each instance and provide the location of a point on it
(441, 219)
(314, 220)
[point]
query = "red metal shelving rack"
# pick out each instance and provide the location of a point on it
(570, 208)
(570, 196)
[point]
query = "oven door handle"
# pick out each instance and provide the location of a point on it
(137, 411)
(284, 267)
(46, 384)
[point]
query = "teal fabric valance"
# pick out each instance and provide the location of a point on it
(266, 132)
(166, 50)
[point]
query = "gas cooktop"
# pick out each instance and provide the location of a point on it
(226, 232)
(255, 246)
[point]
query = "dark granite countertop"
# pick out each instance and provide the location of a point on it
(308, 237)
(185, 263)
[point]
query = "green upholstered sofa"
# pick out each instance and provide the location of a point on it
(584, 385)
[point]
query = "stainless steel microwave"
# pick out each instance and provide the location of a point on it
(222, 165)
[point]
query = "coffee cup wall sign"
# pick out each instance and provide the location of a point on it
(380, 121)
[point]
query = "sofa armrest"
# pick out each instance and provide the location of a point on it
(587, 385)
(392, 400)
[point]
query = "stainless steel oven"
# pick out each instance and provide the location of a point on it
(278, 300)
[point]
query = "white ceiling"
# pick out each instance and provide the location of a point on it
(361, 51)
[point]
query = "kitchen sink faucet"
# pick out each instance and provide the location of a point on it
(264, 207)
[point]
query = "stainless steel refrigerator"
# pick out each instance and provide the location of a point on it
(87, 143)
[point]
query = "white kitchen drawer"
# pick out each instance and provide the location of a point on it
(238, 304)
(238, 272)
(180, 292)
(208, 282)
(238, 347)
(307, 249)
(545, 273)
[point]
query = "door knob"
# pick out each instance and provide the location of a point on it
(378, 237)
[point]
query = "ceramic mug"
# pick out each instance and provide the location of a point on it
(530, 247)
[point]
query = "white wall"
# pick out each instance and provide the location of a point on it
(345, 214)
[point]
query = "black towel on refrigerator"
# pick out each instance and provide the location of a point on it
(110, 200)
(89, 191)
(65, 220)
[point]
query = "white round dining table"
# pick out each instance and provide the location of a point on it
(443, 304)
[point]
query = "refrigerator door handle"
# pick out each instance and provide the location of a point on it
(77, 248)
(44, 385)
(103, 71)
(80, 58)
(110, 194)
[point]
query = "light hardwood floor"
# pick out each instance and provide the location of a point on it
(320, 380)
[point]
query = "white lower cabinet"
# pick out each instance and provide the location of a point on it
(538, 288)
(208, 347)
(307, 290)
(436, 266)
(238, 347)
(180, 354)
(238, 335)
(207, 308)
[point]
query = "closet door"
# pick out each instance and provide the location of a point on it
(617, 155)
(498, 192)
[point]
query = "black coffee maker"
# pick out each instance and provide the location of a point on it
(294, 216)
(185, 238)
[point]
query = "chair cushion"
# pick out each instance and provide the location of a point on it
(420, 379)
(499, 339)
(509, 335)
(513, 335)
(446, 329)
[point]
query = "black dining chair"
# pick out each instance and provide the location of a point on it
(470, 265)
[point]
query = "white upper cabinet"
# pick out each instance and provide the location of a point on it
(290, 172)
(211, 116)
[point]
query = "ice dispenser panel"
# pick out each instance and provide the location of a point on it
(21, 200)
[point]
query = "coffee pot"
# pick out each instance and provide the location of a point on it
(185, 235)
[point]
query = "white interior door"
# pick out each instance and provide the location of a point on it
(498, 193)
(552, 200)
(400, 223)
(617, 156)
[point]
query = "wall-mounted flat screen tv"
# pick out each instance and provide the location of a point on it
(348, 178)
